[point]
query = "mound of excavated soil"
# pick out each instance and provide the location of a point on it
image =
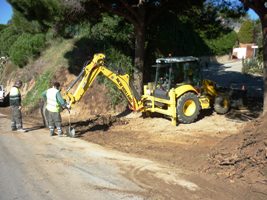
(243, 155)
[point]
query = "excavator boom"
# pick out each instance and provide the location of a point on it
(89, 74)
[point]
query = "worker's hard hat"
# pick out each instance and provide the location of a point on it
(18, 83)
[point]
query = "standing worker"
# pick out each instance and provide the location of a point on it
(54, 102)
(15, 104)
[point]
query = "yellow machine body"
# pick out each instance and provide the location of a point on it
(190, 99)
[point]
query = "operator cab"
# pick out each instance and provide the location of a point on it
(172, 72)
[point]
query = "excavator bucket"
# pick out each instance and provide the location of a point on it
(70, 131)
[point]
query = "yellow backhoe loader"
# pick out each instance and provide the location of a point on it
(177, 92)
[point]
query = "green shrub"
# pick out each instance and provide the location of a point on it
(7, 38)
(120, 64)
(84, 29)
(34, 95)
(2, 26)
(252, 66)
(112, 29)
(118, 61)
(73, 30)
(24, 25)
(222, 45)
(26, 47)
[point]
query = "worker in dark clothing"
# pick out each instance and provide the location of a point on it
(54, 103)
(15, 104)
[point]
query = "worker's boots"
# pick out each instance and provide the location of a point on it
(21, 130)
(59, 131)
(52, 132)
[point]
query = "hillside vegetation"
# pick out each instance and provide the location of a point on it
(53, 65)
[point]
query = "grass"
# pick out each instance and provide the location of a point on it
(252, 66)
(53, 57)
(35, 94)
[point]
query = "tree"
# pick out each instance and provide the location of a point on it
(45, 11)
(7, 38)
(141, 14)
(245, 34)
(257, 35)
(21, 24)
(2, 26)
(25, 47)
(260, 7)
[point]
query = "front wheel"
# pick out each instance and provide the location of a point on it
(188, 108)
(221, 104)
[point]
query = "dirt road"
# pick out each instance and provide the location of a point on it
(36, 166)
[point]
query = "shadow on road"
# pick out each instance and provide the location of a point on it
(246, 90)
(99, 123)
(34, 128)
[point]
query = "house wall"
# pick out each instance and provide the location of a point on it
(240, 53)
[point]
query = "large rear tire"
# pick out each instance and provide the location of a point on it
(188, 108)
(221, 104)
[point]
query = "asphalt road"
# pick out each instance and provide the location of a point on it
(229, 75)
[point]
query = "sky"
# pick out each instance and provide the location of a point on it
(6, 12)
(251, 13)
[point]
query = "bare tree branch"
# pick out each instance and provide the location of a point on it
(157, 12)
(256, 5)
(116, 12)
(128, 7)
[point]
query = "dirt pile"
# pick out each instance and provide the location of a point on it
(244, 155)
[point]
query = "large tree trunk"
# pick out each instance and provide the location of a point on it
(259, 7)
(139, 57)
(264, 31)
(140, 30)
